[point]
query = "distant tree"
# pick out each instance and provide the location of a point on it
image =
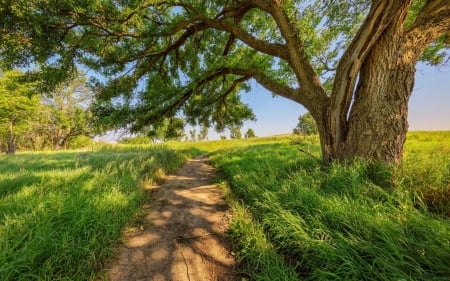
(250, 134)
(203, 133)
(168, 129)
(80, 142)
(136, 140)
(223, 137)
(306, 125)
(193, 134)
(68, 106)
(175, 129)
(18, 104)
(37, 135)
(235, 132)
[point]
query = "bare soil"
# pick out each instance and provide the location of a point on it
(184, 234)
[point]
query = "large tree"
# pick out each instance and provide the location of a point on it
(18, 104)
(350, 63)
(68, 112)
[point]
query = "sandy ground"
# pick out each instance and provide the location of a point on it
(183, 236)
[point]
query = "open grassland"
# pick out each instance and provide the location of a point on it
(61, 213)
(295, 219)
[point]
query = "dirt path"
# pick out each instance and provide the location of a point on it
(183, 236)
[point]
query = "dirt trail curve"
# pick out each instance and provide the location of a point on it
(183, 236)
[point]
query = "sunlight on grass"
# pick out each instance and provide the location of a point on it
(61, 213)
(347, 222)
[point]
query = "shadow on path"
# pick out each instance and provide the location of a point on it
(183, 236)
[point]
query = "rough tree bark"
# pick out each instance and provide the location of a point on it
(378, 122)
(370, 122)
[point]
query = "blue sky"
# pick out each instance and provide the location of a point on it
(429, 106)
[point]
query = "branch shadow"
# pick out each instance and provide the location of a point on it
(184, 234)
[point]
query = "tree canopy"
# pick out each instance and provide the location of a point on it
(250, 133)
(35, 121)
(160, 59)
(18, 103)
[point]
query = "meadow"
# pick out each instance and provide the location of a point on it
(61, 214)
(297, 220)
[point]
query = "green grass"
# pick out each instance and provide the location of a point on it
(343, 222)
(61, 213)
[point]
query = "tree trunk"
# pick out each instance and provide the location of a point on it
(378, 120)
(59, 137)
(376, 124)
(11, 140)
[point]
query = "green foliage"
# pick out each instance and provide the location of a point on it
(61, 214)
(80, 142)
(167, 129)
(235, 133)
(306, 125)
(18, 104)
(136, 140)
(360, 221)
(250, 133)
(66, 113)
(39, 122)
(156, 60)
(203, 133)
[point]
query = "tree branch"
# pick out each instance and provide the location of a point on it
(297, 57)
(233, 86)
(237, 14)
(432, 22)
(276, 50)
(305, 97)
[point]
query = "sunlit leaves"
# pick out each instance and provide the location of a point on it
(158, 59)
(18, 104)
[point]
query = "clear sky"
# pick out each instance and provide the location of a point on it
(429, 106)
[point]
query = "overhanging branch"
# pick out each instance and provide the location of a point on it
(432, 22)
(296, 55)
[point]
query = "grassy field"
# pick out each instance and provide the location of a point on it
(295, 219)
(61, 213)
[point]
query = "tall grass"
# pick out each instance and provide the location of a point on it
(426, 170)
(344, 222)
(61, 213)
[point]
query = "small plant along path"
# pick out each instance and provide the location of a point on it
(183, 235)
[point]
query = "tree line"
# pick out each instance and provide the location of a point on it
(31, 120)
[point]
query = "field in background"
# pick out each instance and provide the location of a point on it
(61, 213)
